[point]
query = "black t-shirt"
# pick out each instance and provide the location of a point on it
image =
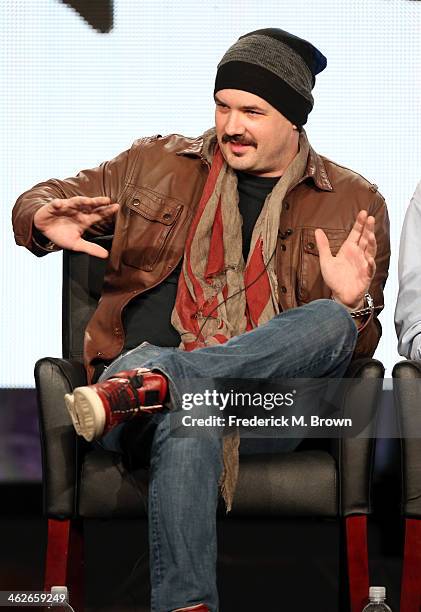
(148, 316)
(252, 191)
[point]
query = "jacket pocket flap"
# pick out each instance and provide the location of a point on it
(154, 208)
(336, 239)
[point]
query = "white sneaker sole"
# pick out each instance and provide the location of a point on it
(87, 413)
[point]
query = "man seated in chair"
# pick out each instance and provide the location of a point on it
(240, 254)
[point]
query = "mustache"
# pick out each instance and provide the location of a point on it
(237, 139)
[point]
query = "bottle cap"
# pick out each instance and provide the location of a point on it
(377, 592)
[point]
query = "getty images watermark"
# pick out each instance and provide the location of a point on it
(237, 399)
(241, 409)
(272, 408)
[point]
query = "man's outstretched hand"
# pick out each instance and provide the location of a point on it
(349, 274)
(64, 221)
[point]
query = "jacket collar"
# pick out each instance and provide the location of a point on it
(316, 170)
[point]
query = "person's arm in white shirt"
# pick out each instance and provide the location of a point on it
(408, 307)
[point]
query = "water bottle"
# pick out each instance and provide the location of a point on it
(377, 597)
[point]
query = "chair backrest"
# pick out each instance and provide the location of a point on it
(83, 277)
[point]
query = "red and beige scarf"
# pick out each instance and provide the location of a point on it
(219, 294)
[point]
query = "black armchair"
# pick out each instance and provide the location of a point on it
(406, 387)
(326, 481)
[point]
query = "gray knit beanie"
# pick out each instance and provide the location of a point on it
(276, 66)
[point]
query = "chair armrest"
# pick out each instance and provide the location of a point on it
(355, 456)
(61, 448)
(406, 391)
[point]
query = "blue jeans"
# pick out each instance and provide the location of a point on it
(313, 341)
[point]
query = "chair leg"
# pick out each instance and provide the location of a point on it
(357, 560)
(64, 559)
(411, 570)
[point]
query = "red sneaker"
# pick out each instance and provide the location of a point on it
(96, 409)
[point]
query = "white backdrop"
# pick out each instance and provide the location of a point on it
(72, 97)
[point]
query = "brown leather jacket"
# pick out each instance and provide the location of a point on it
(158, 183)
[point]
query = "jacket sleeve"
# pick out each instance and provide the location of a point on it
(408, 307)
(369, 336)
(105, 180)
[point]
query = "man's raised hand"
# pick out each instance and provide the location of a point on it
(64, 221)
(349, 274)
